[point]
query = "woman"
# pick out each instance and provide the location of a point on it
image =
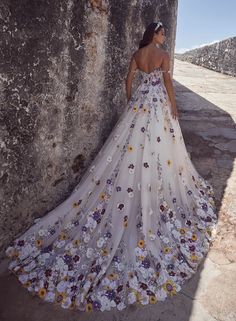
(139, 222)
(151, 57)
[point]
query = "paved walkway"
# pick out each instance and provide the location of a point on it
(206, 101)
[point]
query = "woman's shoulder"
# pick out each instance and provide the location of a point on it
(166, 55)
(165, 52)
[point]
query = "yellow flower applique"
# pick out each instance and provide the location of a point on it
(182, 230)
(170, 287)
(194, 237)
(105, 252)
(76, 242)
(39, 243)
(166, 250)
(102, 196)
(130, 148)
(152, 299)
(62, 236)
(144, 109)
(60, 297)
(42, 292)
(193, 258)
(89, 307)
(141, 244)
(112, 276)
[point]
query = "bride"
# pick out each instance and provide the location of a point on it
(151, 57)
(139, 222)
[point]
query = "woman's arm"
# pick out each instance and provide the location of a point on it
(168, 83)
(130, 76)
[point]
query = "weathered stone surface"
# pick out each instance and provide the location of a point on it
(63, 65)
(220, 56)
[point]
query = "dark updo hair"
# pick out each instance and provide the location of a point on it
(148, 34)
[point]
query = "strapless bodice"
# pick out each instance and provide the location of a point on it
(155, 74)
(155, 70)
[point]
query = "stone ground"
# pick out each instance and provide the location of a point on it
(206, 101)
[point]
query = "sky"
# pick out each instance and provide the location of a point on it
(201, 22)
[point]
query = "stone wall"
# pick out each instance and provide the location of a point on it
(220, 56)
(63, 65)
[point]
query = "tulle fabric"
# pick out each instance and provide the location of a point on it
(137, 225)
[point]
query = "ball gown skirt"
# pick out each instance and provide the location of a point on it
(136, 226)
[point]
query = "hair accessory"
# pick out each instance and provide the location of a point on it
(159, 23)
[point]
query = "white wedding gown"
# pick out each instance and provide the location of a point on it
(136, 226)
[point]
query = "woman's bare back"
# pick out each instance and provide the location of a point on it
(148, 58)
